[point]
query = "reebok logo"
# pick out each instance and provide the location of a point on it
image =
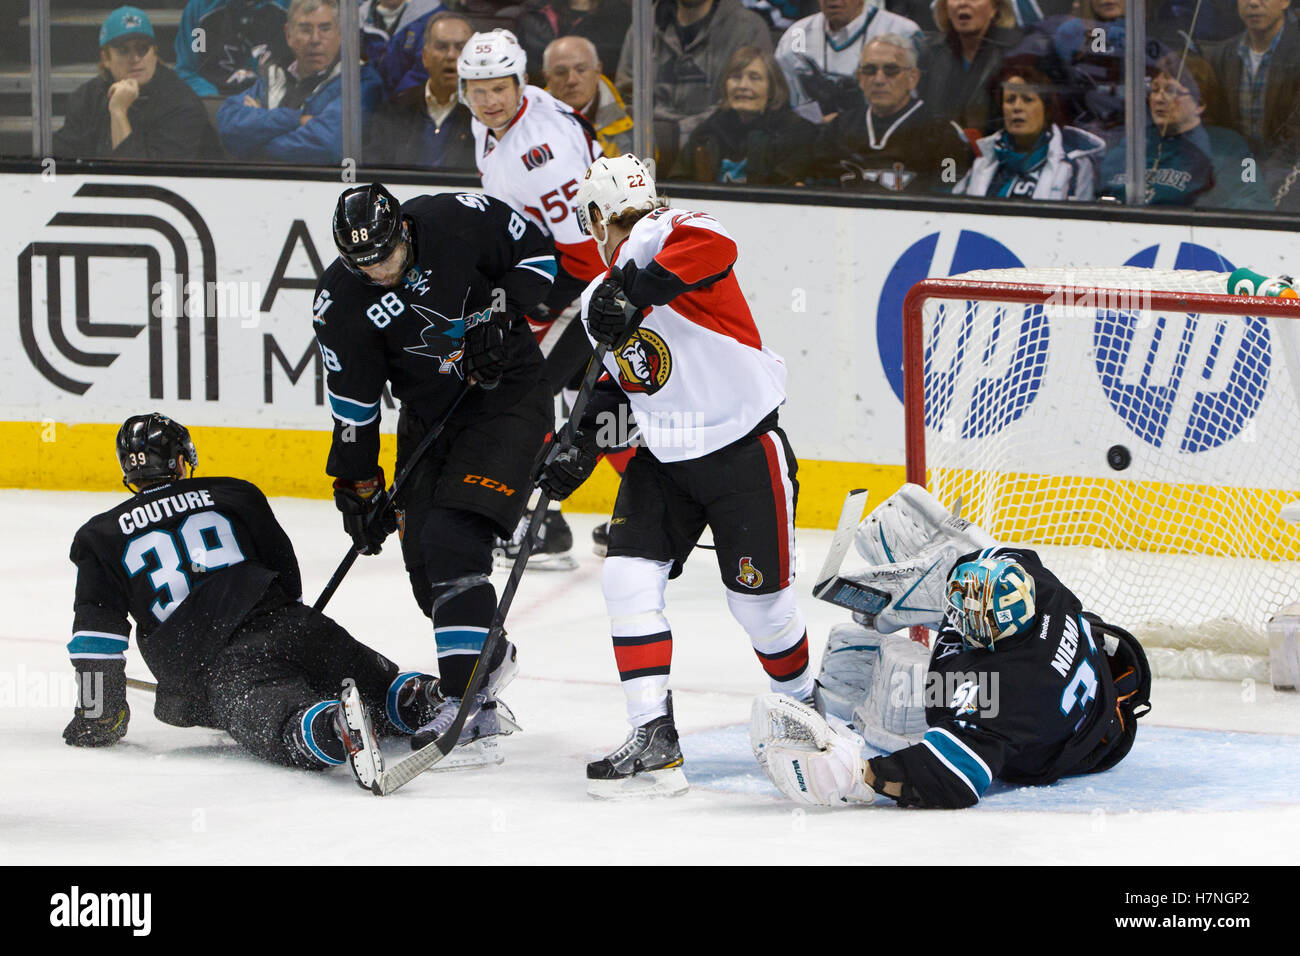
(77, 909)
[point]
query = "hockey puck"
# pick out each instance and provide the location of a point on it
(1118, 457)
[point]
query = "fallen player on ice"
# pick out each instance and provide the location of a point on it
(1021, 684)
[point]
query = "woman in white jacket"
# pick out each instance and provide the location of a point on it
(1033, 157)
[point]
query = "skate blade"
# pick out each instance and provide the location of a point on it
(670, 782)
(539, 562)
(484, 752)
(366, 762)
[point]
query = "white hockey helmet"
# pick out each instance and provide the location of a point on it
(489, 56)
(615, 185)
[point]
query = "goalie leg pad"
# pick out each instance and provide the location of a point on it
(848, 662)
(892, 715)
(808, 761)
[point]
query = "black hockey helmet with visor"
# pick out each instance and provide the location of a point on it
(367, 227)
(148, 447)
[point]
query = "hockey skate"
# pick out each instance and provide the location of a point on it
(490, 719)
(552, 550)
(649, 764)
(352, 722)
(600, 539)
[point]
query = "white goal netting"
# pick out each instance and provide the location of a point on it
(1144, 445)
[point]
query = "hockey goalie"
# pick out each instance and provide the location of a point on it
(1021, 685)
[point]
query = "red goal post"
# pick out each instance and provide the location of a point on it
(1139, 427)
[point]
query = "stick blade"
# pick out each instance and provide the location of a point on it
(850, 515)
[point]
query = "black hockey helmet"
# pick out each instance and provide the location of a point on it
(147, 449)
(367, 227)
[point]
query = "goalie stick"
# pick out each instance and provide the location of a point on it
(405, 770)
(832, 588)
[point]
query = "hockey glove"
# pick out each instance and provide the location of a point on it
(608, 311)
(102, 714)
(485, 353)
(564, 472)
(359, 501)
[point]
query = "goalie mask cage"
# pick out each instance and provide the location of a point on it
(1140, 428)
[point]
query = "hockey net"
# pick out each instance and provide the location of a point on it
(1140, 428)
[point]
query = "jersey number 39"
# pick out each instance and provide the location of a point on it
(209, 543)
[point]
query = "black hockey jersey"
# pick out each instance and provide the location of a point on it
(187, 561)
(1032, 710)
(475, 257)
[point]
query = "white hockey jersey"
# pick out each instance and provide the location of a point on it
(536, 166)
(839, 52)
(695, 371)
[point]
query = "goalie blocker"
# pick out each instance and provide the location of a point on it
(1055, 693)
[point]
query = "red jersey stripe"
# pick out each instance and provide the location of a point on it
(776, 472)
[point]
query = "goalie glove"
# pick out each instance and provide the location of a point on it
(808, 761)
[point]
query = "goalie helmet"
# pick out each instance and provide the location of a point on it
(147, 449)
(367, 227)
(992, 598)
(490, 56)
(613, 186)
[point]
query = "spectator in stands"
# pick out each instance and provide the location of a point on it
(295, 114)
(380, 19)
(1188, 163)
(220, 43)
(136, 108)
(1259, 72)
(693, 41)
(820, 54)
(1035, 156)
(962, 62)
(573, 73)
(1090, 47)
(603, 22)
(429, 127)
(894, 141)
(753, 136)
(782, 14)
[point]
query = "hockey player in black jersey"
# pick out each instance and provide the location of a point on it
(429, 298)
(1022, 684)
(212, 583)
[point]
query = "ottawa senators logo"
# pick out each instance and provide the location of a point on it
(537, 156)
(644, 363)
(749, 575)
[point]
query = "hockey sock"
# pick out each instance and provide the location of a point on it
(462, 614)
(408, 704)
(776, 630)
(643, 642)
(316, 737)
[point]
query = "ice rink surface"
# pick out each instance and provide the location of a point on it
(1213, 779)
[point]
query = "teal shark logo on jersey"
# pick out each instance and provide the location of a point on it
(441, 337)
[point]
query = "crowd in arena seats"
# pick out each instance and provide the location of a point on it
(1014, 99)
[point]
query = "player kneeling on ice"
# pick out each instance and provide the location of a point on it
(1021, 685)
(684, 349)
(211, 580)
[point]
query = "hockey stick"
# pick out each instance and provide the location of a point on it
(398, 480)
(841, 591)
(139, 684)
(407, 769)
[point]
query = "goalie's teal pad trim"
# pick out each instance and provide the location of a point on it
(903, 607)
(960, 759)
